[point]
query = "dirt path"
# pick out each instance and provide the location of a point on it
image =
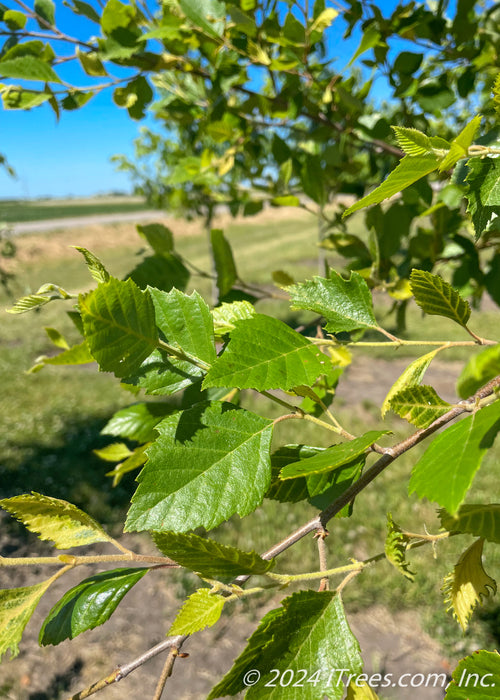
(71, 222)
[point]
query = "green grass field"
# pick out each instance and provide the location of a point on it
(17, 211)
(51, 420)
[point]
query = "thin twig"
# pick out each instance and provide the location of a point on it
(166, 672)
(122, 671)
(321, 535)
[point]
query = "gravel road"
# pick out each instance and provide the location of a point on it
(78, 221)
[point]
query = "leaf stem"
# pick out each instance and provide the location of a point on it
(181, 355)
(444, 344)
(72, 560)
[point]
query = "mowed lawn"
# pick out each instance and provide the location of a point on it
(17, 211)
(51, 420)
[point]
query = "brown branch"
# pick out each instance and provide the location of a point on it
(167, 670)
(122, 671)
(321, 536)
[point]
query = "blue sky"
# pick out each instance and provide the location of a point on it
(72, 156)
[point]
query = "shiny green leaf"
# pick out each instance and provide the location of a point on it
(419, 405)
(28, 68)
(88, 604)
(137, 422)
(478, 520)
(438, 298)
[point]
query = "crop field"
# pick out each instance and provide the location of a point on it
(17, 211)
(51, 421)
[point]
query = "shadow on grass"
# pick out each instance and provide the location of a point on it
(68, 469)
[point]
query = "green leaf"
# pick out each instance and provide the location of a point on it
(116, 16)
(164, 271)
(460, 145)
(46, 293)
(137, 422)
(136, 460)
(308, 631)
(159, 237)
(478, 520)
(96, 268)
(201, 11)
(88, 604)
(202, 609)
(134, 96)
(53, 519)
(114, 452)
(227, 315)
(209, 558)
(186, 323)
(80, 7)
(395, 548)
(332, 457)
(286, 200)
(477, 677)
(57, 338)
(360, 690)
(466, 586)
(91, 63)
(483, 194)
(415, 143)
(28, 68)
(323, 20)
(445, 471)
(346, 304)
(224, 262)
(14, 19)
(118, 319)
(196, 468)
(46, 9)
(264, 353)
(419, 405)
(438, 298)
(411, 377)
(76, 355)
(370, 39)
(14, 97)
(162, 375)
(17, 605)
(409, 170)
(478, 371)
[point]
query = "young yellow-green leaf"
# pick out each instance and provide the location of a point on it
(264, 353)
(346, 304)
(96, 268)
(419, 405)
(201, 610)
(323, 20)
(332, 457)
(395, 548)
(136, 460)
(226, 316)
(496, 95)
(14, 19)
(114, 452)
(465, 587)
(415, 143)
(460, 145)
(91, 63)
(159, 237)
(29, 68)
(445, 471)
(359, 690)
(17, 605)
(137, 422)
(438, 298)
(118, 319)
(286, 200)
(477, 677)
(197, 467)
(478, 371)
(186, 323)
(478, 520)
(409, 170)
(53, 519)
(412, 376)
(88, 604)
(77, 355)
(225, 266)
(308, 631)
(209, 558)
(57, 338)
(117, 17)
(46, 293)
(483, 194)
